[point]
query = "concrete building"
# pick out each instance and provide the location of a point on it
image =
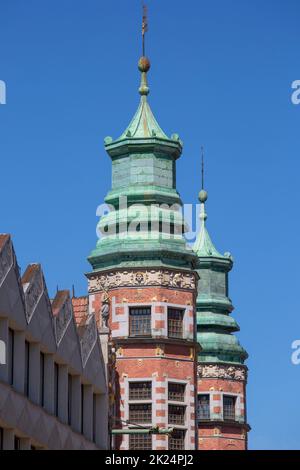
(53, 392)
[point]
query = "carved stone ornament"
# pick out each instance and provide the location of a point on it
(62, 320)
(88, 339)
(222, 372)
(105, 309)
(6, 260)
(167, 278)
(33, 293)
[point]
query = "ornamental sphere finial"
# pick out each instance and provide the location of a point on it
(144, 64)
(203, 196)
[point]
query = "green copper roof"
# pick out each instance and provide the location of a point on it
(214, 325)
(203, 246)
(143, 123)
(144, 174)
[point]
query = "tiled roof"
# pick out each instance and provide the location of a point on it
(29, 272)
(59, 300)
(80, 309)
(3, 239)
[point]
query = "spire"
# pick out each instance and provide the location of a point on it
(143, 123)
(203, 245)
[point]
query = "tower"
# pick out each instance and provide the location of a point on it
(222, 375)
(143, 288)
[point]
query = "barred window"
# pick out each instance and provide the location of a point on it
(176, 414)
(140, 321)
(175, 323)
(176, 440)
(228, 407)
(140, 390)
(140, 442)
(176, 391)
(203, 407)
(140, 413)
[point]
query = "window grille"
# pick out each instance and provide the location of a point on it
(140, 442)
(140, 390)
(176, 440)
(140, 413)
(176, 414)
(140, 321)
(176, 391)
(175, 323)
(228, 408)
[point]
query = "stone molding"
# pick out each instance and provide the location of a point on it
(62, 320)
(88, 339)
(142, 278)
(33, 293)
(216, 371)
(6, 260)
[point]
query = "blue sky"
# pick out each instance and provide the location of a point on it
(221, 77)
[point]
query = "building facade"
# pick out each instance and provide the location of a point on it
(222, 375)
(148, 358)
(53, 392)
(163, 306)
(143, 280)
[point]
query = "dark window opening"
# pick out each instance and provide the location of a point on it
(11, 348)
(176, 391)
(17, 443)
(42, 379)
(94, 416)
(203, 407)
(176, 440)
(56, 389)
(176, 414)
(82, 407)
(26, 379)
(70, 382)
(228, 408)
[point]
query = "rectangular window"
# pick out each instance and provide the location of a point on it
(228, 408)
(82, 407)
(140, 390)
(175, 323)
(42, 378)
(140, 413)
(94, 416)
(17, 443)
(176, 414)
(56, 370)
(140, 321)
(176, 391)
(26, 379)
(10, 358)
(203, 407)
(140, 442)
(70, 381)
(176, 440)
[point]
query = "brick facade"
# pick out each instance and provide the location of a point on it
(156, 358)
(216, 430)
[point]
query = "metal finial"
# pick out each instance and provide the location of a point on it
(144, 26)
(203, 193)
(202, 167)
